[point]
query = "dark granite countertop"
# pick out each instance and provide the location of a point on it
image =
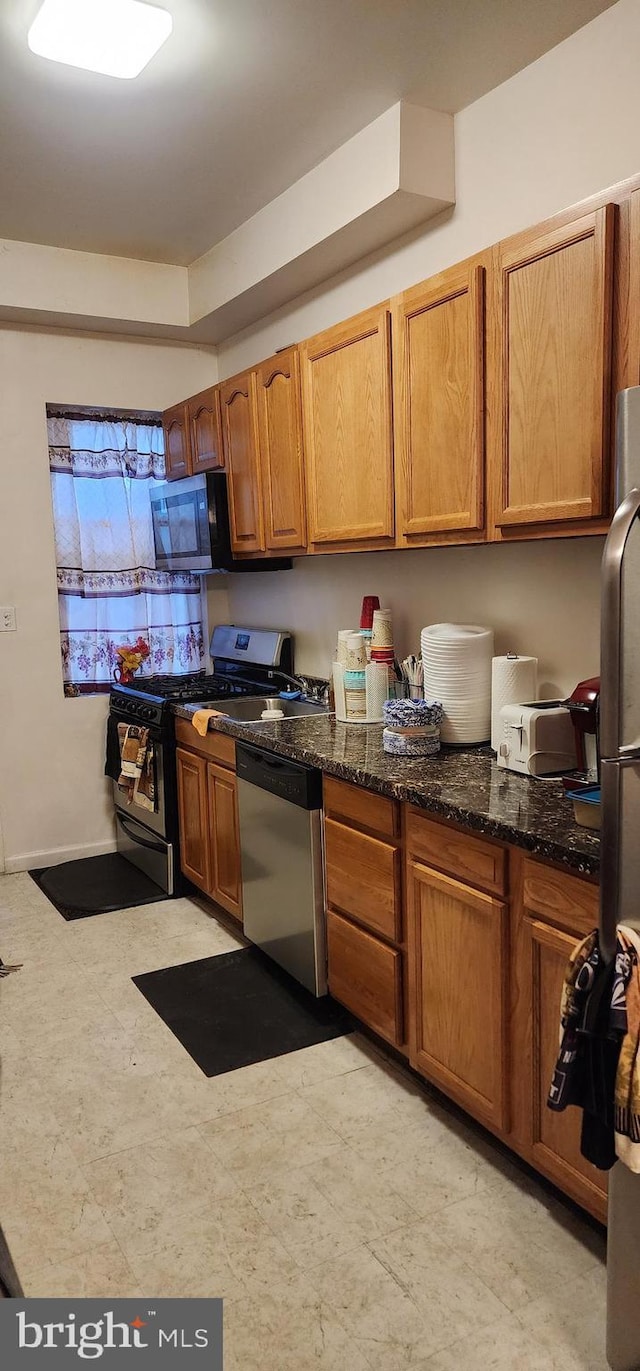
(462, 784)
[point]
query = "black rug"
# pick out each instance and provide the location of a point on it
(96, 885)
(239, 1008)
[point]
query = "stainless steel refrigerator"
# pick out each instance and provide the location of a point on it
(620, 845)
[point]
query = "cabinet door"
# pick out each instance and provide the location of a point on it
(346, 392)
(458, 948)
(280, 442)
(205, 430)
(224, 834)
(240, 441)
(192, 817)
(439, 402)
(177, 451)
(366, 975)
(554, 1139)
(552, 355)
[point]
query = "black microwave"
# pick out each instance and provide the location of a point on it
(191, 528)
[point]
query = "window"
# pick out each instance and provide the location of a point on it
(103, 468)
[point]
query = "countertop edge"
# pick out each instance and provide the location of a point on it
(266, 735)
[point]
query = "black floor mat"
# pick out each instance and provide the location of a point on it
(96, 885)
(239, 1008)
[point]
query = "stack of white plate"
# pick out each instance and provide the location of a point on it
(457, 671)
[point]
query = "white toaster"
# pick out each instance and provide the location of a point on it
(537, 739)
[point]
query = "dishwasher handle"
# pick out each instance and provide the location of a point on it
(300, 785)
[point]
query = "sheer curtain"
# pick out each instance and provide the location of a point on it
(109, 592)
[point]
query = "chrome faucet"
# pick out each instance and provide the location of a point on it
(317, 691)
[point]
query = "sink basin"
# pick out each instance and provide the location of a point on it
(248, 708)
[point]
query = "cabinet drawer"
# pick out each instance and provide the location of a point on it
(363, 878)
(473, 860)
(561, 899)
(361, 807)
(366, 976)
(216, 747)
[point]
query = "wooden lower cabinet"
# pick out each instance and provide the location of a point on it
(554, 1138)
(365, 974)
(471, 978)
(193, 818)
(365, 926)
(209, 831)
(224, 839)
(541, 950)
(457, 957)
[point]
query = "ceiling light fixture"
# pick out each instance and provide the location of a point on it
(113, 37)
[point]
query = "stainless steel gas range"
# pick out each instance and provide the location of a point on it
(245, 661)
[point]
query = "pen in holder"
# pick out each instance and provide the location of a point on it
(360, 695)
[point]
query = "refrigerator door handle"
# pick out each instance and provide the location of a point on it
(613, 753)
(611, 623)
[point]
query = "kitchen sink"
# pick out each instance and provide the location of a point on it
(248, 708)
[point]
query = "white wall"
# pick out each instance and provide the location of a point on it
(54, 802)
(566, 127)
(469, 584)
(562, 129)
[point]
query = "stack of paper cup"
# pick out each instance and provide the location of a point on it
(457, 671)
(382, 637)
(344, 634)
(355, 679)
(356, 653)
(514, 681)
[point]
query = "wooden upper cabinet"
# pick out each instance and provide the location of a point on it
(240, 443)
(551, 354)
(346, 393)
(439, 403)
(193, 435)
(205, 431)
(457, 956)
(280, 442)
(177, 449)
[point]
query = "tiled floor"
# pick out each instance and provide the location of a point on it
(348, 1221)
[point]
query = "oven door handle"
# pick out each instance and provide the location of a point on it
(142, 842)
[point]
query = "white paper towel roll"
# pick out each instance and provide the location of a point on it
(514, 681)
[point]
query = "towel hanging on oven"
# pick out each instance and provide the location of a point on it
(136, 766)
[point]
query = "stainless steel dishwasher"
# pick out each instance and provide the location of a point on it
(280, 804)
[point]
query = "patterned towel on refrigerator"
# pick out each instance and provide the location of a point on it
(598, 1066)
(627, 1107)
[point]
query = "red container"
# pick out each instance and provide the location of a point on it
(369, 603)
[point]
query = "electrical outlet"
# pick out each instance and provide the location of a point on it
(7, 619)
